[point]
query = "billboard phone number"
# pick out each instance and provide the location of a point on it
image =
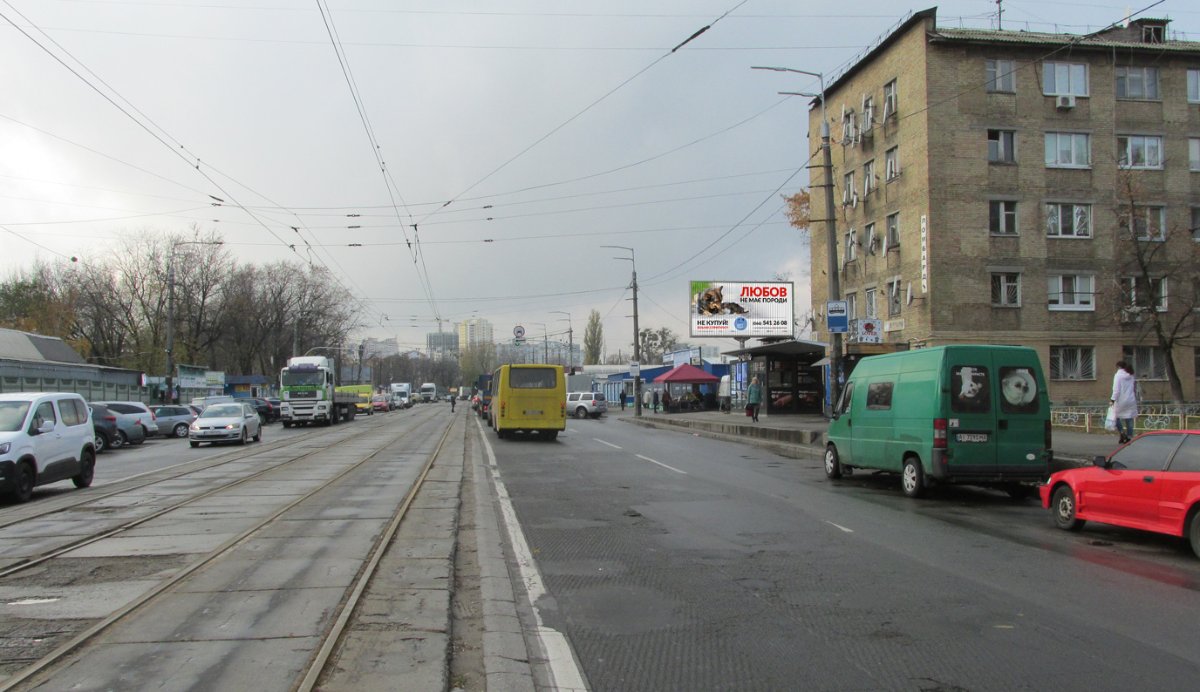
(772, 323)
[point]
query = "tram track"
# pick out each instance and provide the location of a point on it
(42, 670)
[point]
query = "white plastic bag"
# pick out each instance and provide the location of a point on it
(1110, 420)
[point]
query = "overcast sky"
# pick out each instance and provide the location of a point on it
(552, 128)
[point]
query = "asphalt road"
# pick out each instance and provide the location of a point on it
(673, 562)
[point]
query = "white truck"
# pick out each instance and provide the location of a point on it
(429, 392)
(402, 391)
(308, 393)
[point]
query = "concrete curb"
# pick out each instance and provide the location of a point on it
(506, 658)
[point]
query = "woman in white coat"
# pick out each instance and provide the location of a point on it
(1124, 400)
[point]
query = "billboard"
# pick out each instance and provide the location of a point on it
(741, 308)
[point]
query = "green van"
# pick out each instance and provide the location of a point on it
(975, 414)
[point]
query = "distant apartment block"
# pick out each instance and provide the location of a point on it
(474, 332)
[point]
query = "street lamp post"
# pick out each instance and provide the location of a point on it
(545, 342)
(637, 346)
(835, 290)
(170, 379)
(570, 339)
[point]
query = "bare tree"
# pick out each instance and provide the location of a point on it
(1157, 282)
(655, 343)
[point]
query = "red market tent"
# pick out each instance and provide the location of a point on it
(687, 374)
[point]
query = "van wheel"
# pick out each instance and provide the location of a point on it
(912, 477)
(833, 467)
(1018, 491)
(1062, 504)
(1194, 531)
(549, 435)
(87, 469)
(581, 413)
(23, 484)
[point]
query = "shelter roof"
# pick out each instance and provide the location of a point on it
(687, 374)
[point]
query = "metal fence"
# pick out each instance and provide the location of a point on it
(1151, 416)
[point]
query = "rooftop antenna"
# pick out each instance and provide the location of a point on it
(1000, 15)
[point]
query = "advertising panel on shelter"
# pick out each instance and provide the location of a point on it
(741, 308)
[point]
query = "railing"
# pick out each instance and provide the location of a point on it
(1151, 416)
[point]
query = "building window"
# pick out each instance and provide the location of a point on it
(1193, 86)
(868, 113)
(893, 230)
(1128, 292)
(1194, 153)
(1072, 363)
(851, 244)
(891, 99)
(1006, 290)
(1000, 76)
(849, 194)
(893, 289)
(1070, 291)
(891, 163)
(1068, 150)
(868, 177)
(1064, 78)
(1068, 220)
(1139, 151)
(1156, 296)
(1002, 217)
(1196, 225)
(1148, 361)
(852, 306)
(1149, 223)
(1137, 83)
(1002, 146)
(872, 240)
(869, 302)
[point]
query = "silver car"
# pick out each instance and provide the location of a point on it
(585, 404)
(226, 422)
(138, 411)
(174, 420)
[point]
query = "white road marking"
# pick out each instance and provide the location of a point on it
(605, 443)
(559, 657)
(839, 526)
(652, 461)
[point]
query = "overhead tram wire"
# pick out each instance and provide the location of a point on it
(178, 149)
(585, 109)
(376, 149)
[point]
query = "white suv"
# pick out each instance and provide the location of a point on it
(44, 438)
(584, 404)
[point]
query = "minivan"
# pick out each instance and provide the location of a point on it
(975, 414)
(44, 437)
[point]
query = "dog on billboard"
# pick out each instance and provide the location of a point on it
(708, 301)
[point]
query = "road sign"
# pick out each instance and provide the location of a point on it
(837, 316)
(519, 331)
(635, 368)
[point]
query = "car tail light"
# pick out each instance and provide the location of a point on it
(153, 417)
(1049, 435)
(110, 419)
(939, 433)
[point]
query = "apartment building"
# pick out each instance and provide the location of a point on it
(474, 332)
(1013, 187)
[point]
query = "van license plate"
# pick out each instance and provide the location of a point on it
(532, 413)
(971, 437)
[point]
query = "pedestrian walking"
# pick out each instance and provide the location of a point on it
(654, 402)
(622, 396)
(646, 399)
(754, 399)
(1124, 400)
(666, 401)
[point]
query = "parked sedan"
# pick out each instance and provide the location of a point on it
(113, 430)
(266, 410)
(1152, 483)
(228, 422)
(380, 402)
(174, 420)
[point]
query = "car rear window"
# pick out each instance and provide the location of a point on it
(1018, 390)
(1187, 459)
(533, 378)
(122, 408)
(599, 396)
(969, 390)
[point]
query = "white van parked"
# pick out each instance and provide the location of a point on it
(44, 438)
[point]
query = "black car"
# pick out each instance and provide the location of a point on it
(266, 410)
(105, 424)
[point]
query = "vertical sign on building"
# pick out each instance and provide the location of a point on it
(924, 253)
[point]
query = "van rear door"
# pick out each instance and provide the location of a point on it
(971, 426)
(1021, 419)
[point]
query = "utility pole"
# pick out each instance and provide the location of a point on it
(637, 346)
(570, 339)
(835, 290)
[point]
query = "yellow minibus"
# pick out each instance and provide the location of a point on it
(528, 399)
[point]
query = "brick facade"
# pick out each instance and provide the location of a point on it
(990, 251)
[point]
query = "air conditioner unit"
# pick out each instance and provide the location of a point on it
(1131, 315)
(1065, 102)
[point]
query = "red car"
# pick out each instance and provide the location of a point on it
(1152, 483)
(379, 402)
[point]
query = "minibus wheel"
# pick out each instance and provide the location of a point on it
(912, 477)
(833, 467)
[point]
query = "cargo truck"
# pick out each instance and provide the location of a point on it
(308, 393)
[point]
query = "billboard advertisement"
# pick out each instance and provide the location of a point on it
(741, 308)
